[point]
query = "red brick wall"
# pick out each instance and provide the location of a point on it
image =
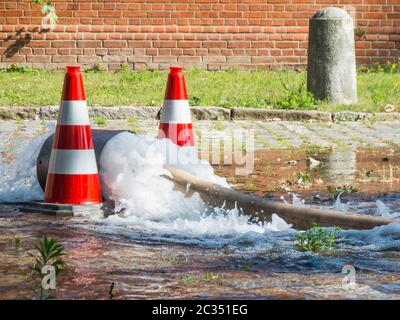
(209, 34)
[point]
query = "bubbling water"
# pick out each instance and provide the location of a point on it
(133, 175)
(18, 180)
(132, 170)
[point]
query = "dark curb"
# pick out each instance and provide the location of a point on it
(200, 113)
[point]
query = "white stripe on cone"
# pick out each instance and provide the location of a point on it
(176, 111)
(73, 112)
(73, 161)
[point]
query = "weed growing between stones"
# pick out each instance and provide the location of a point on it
(189, 278)
(250, 187)
(211, 277)
(100, 121)
(335, 191)
(174, 260)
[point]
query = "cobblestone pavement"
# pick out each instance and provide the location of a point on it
(267, 135)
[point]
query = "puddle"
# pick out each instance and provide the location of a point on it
(362, 176)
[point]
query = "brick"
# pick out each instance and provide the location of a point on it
(63, 44)
(66, 59)
(165, 59)
(114, 44)
(38, 58)
(214, 59)
(212, 34)
(139, 44)
(89, 44)
(114, 58)
(189, 44)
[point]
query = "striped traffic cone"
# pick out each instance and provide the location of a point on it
(73, 177)
(176, 123)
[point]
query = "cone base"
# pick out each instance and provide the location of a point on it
(179, 133)
(73, 189)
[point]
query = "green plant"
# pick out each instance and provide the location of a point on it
(132, 120)
(20, 68)
(19, 120)
(297, 98)
(124, 67)
(174, 260)
(377, 67)
(303, 178)
(359, 33)
(313, 149)
(317, 239)
(49, 253)
(212, 277)
(334, 191)
(189, 278)
(194, 100)
(250, 187)
(48, 9)
(97, 67)
(15, 242)
(100, 121)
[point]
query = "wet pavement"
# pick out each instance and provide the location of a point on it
(314, 160)
(143, 269)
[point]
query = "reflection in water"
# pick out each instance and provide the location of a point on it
(340, 166)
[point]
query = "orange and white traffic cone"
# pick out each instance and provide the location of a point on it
(176, 123)
(73, 176)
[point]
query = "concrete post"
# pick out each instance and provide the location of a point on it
(331, 57)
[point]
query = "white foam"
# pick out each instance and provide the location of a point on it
(18, 181)
(132, 170)
(297, 201)
(382, 209)
(382, 238)
(340, 206)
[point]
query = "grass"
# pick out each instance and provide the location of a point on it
(257, 89)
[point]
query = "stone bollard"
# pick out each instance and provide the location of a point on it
(331, 72)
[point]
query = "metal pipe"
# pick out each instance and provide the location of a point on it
(100, 138)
